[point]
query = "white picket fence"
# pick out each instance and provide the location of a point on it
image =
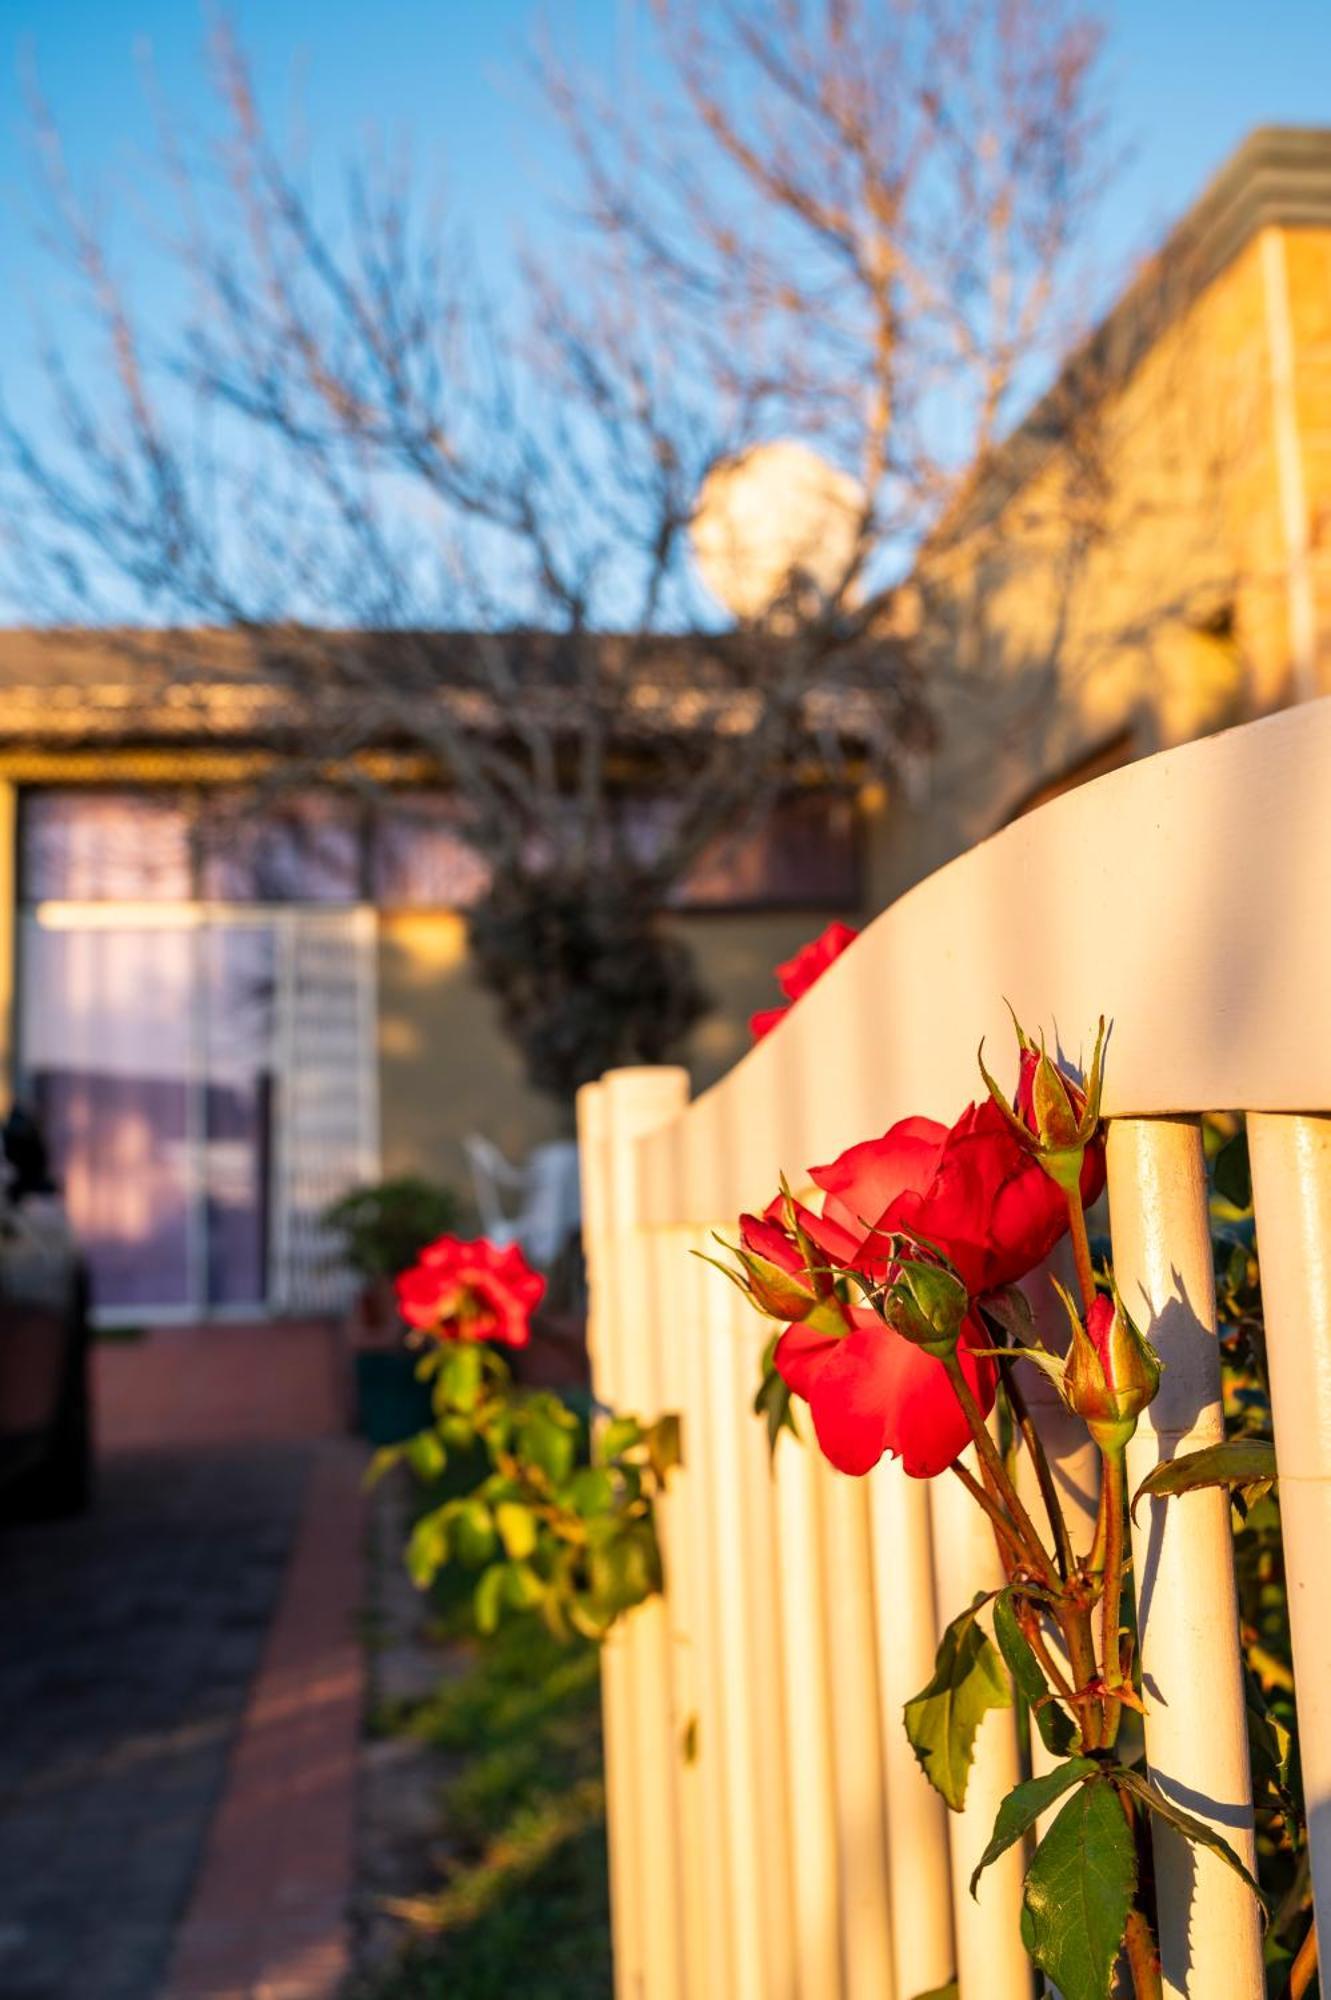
(770, 1833)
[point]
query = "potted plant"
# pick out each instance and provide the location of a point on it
(382, 1229)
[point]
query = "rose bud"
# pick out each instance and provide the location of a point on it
(925, 1303)
(1053, 1117)
(1111, 1372)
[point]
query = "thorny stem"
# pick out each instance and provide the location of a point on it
(1143, 1958)
(1081, 1246)
(1304, 1969)
(1044, 1474)
(1112, 1508)
(1034, 1553)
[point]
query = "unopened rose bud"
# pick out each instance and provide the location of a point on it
(1053, 1116)
(1111, 1373)
(926, 1303)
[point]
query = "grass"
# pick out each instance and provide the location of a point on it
(524, 1905)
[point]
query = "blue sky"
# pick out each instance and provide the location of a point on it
(1187, 78)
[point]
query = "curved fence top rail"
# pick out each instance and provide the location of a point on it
(1186, 897)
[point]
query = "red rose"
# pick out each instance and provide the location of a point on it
(799, 973)
(869, 1389)
(976, 1195)
(470, 1291)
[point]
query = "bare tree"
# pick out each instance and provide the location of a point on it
(463, 531)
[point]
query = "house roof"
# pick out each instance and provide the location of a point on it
(272, 687)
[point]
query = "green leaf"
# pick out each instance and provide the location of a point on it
(1269, 1742)
(949, 1992)
(941, 1721)
(427, 1547)
(618, 1435)
(473, 1532)
(590, 1491)
(665, 1444)
(488, 1601)
(548, 1446)
(1195, 1830)
(517, 1528)
(1079, 1890)
(426, 1456)
(1232, 1174)
(1246, 1465)
(1023, 1806)
(383, 1461)
(1010, 1311)
(1057, 1730)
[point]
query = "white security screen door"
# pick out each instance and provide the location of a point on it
(206, 1076)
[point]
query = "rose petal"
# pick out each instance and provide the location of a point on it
(862, 1183)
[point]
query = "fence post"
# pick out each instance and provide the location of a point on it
(1291, 1173)
(991, 1959)
(642, 1756)
(1192, 1675)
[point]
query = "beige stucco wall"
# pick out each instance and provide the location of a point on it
(445, 1068)
(1139, 584)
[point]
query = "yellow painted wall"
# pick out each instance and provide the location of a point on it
(445, 1068)
(1138, 583)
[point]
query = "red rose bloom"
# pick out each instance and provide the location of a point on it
(470, 1291)
(801, 972)
(976, 1195)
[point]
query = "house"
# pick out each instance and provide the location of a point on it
(225, 1013)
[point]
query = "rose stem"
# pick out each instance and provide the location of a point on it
(1081, 1246)
(1112, 1500)
(1304, 1968)
(1048, 1491)
(1143, 1958)
(1034, 1549)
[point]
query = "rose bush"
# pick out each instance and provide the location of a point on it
(563, 1523)
(799, 973)
(972, 1192)
(900, 1300)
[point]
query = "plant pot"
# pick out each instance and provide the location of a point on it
(390, 1403)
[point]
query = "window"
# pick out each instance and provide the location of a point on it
(806, 855)
(421, 858)
(305, 849)
(104, 846)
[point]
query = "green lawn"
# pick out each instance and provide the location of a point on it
(524, 1905)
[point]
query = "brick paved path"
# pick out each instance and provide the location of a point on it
(128, 1641)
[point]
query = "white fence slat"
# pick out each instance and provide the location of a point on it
(626, 1878)
(991, 1958)
(1196, 1730)
(1291, 1172)
(801, 1605)
(641, 1706)
(769, 1721)
(737, 1665)
(906, 1628)
(857, 1759)
(690, 1293)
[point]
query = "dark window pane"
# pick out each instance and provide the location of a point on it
(86, 846)
(804, 856)
(305, 850)
(421, 857)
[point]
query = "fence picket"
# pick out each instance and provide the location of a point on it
(1192, 1677)
(1291, 1172)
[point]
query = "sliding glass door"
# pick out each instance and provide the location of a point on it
(206, 1079)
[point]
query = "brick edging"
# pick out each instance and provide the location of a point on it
(267, 1919)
